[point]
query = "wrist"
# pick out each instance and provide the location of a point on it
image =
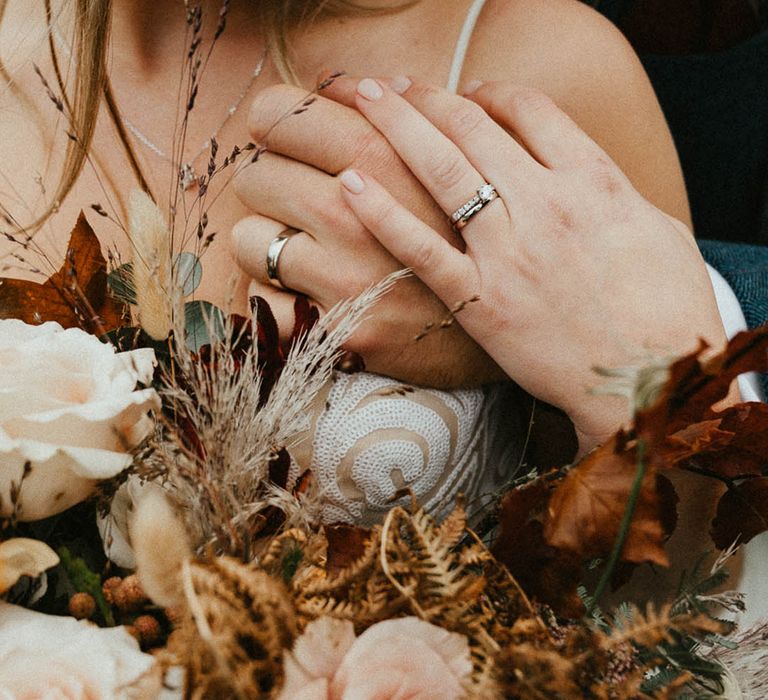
(596, 419)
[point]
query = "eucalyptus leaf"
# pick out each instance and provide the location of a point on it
(187, 272)
(204, 324)
(120, 282)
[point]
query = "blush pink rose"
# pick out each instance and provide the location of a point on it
(391, 660)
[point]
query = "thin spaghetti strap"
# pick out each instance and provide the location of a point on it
(460, 53)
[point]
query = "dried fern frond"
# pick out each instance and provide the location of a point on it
(656, 626)
(587, 661)
(238, 619)
(410, 564)
(236, 623)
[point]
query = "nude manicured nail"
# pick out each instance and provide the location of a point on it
(369, 89)
(352, 181)
(472, 86)
(400, 84)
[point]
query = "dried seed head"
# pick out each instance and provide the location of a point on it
(640, 384)
(148, 629)
(152, 278)
(129, 595)
(161, 546)
(82, 606)
(108, 588)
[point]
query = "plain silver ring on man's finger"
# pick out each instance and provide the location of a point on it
(486, 193)
(273, 256)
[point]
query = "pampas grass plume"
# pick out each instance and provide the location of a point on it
(161, 547)
(152, 266)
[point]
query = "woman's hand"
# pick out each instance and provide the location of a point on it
(570, 268)
(334, 257)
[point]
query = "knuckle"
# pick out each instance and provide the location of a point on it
(527, 101)
(247, 237)
(422, 92)
(268, 106)
(379, 215)
(448, 170)
(464, 119)
(329, 215)
(241, 184)
(561, 214)
(422, 255)
(371, 151)
(240, 230)
(606, 177)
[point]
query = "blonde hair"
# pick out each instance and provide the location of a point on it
(279, 19)
(90, 40)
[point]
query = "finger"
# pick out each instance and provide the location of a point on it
(449, 273)
(339, 88)
(294, 193)
(550, 135)
(325, 134)
(486, 144)
(299, 263)
(332, 137)
(435, 160)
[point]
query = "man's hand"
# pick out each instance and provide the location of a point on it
(334, 257)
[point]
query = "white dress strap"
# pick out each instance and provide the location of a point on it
(460, 52)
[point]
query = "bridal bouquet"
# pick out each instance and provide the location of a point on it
(155, 539)
(144, 491)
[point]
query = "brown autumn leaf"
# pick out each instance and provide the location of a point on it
(346, 544)
(691, 441)
(742, 513)
(746, 453)
(683, 430)
(680, 430)
(544, 573)
(76, 296)
(695, 386)
(585, 512)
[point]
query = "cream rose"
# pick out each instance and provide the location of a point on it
(114, 527)
(391, 660)
(69, 408)
(59, 658)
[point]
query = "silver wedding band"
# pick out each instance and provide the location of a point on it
(273, 256)
(486, 193)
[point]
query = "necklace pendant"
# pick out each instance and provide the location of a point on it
(187, 176)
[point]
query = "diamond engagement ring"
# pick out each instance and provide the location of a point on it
(485, 194)
(273, 255)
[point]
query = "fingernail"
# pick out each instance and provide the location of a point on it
(472, 86)
(400, 84)
(370, 89)
(352, 181)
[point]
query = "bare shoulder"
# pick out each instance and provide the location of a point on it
(553, 43)
(581, 60)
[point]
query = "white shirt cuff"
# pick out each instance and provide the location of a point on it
(733, 322)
